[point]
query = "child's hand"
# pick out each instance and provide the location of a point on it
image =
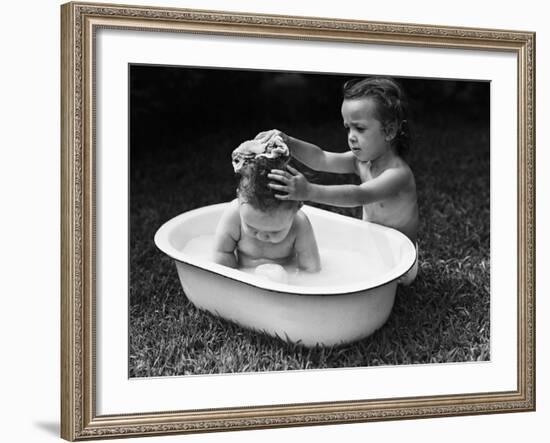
(264, 136)
(294, 184)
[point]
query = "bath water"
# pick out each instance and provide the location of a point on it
(338, 267)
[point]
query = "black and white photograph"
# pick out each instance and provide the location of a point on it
(285, 220)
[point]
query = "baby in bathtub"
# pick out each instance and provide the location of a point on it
(257, 229)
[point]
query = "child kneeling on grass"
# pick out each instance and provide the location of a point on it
(257, 229)
(374, 115)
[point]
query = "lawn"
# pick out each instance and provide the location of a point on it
(444, 316)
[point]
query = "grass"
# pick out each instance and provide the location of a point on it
(442, 317)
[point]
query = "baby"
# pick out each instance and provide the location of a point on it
(257, 229)
(374, 115)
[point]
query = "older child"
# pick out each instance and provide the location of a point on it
(374, 114)
(258, 229)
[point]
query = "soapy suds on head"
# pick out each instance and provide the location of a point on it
(337, 266)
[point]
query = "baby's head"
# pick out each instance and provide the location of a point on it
(390, 106)
(262, 214)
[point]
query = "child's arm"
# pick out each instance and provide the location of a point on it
(226, 237)
(296, 187)
(305, 246)
(313, 156)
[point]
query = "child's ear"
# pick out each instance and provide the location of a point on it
(390, 129)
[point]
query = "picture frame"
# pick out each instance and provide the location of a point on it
(80, 178)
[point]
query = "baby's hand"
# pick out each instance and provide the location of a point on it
(264, 136)
(294, 184)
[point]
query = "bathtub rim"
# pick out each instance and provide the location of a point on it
(163, 244)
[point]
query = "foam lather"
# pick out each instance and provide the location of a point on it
(251, 150)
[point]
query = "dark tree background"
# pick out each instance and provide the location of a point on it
(170, 104)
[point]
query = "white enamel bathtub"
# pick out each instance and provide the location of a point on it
(325, 315)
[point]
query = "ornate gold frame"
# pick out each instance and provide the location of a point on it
(78, 416)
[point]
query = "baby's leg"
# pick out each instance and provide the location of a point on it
(272, 272)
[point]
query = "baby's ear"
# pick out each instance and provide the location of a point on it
(390, 129)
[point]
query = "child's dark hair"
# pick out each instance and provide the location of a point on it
(253, 185)
(391, 105)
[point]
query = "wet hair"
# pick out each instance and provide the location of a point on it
(391, 105)
(253, 185)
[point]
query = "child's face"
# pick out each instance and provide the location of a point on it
(271, 227)
(367, 138)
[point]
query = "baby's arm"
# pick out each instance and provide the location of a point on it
(296, 187)
(313, 156)
(227, 235)
(305, 246)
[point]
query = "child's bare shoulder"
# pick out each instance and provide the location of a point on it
(401, 168)
(233, 206)
(230, 220)
(301, 221)
(407, 171)
(231, 211)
